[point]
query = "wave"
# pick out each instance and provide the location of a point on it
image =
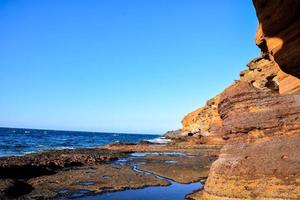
(61, 148)
(160, 140)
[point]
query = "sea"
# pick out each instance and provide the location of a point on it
(20, 141)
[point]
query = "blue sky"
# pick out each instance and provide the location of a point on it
(116, 65)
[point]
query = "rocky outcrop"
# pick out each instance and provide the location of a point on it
(261, 158)
(43, 175)
(258, 115)
(46, 163)
(204, 124)
(203, 119)
(261, 115)
(278, 36)
(288, 84)
(177, 134)
(262, 74)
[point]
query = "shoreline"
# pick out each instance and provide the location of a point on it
(94, 170)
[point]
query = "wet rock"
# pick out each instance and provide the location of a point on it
(74, 181)
(16, 173)
(17, 189)
(48, 163)
(182, 169)
(93, 177)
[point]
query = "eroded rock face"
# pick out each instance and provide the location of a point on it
(288, 84)
(261, 159)
(261, 115)
(244, 108)
(177, 134)
(200, 120)
(205, 123)
(278, 36)
(266, 168)
(262, 74)
(279, 31)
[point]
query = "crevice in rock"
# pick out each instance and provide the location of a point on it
(26, 171)
(19, 188)
(271, 84)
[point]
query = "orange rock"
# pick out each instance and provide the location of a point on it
(278, 32)
(261, 159)
(288, 84)
(261, 115)
(205, 123)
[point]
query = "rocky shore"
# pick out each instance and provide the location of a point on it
(87, 172)
(244, 141)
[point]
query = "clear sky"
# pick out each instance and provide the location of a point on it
(118, 65)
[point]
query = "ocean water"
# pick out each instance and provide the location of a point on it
(17, 142)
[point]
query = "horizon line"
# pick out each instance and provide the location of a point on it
(82, 131)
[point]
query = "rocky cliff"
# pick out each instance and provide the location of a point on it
(260, 115)
(278, 37)
(261, 159)
(205, 124)
(278, 32)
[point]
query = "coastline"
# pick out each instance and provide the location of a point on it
(63, 173)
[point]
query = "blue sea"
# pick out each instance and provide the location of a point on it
(17, 142)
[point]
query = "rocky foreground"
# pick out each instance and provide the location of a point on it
(88, 172)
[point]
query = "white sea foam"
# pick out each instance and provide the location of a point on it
(62, 148)
(142, 154)
(160, 140)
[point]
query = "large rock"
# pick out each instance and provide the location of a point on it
(261, 159)
(177, 134)
(278, 32)
(278, 37)
(288, 84)
(262, 74)
(261, 115)
(205, 123)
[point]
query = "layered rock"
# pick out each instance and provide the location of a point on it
(261, 159)
(262, 73)
(201, 120)
(278, 36)
(261, 115)
(205, 123)
(288, 84)
(176, 134)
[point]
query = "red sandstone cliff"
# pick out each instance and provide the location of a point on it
(205, 124)
(260, 115)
